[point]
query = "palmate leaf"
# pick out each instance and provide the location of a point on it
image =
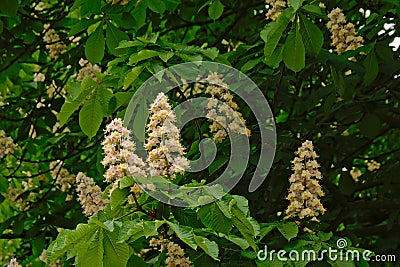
(91, 245)
(67, 240)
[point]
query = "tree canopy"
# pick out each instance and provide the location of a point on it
(71, 162)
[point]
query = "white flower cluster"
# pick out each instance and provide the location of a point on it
(175, 254)
(120, 158)
(39, 77)
(223, 109)
(1, 102)
(344, 37)
(52, 90)
(7, 145)
(43, 258)
(13, 196)
(55, 46)
(355, 173)
(372, 165)
(14, 263)
(305, 189)
(90, 195)
(87, 69)
(165, 151)
(276, 8)
(63, 178)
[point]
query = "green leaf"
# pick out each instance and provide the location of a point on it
(113, 37)
(217, 164)
(289, 230)
(92, 112)
(115, 254)
(150, 228)
(312, 36)
(186, 216)
(165, 56)
(131, 230)
(244, 225)
(92, 255)
(142, 55)
(266, 229)
(338, 80)
(118, 196)
(216, 9)
(69, 107)
(157, 6)
(9, 7)
(82, 25)
(132, 76)
(296, 4)
(126, 181)
(209, 247)
(184, 233)
(212, 217)
(294, 51)
(272, 34)
(242, 243)
(371, 67)
(95, 45)
(314, 10)
(67, 239)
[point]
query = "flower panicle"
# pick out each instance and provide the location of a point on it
(90, 195)
(305, 190)
(165, 151)
(343, 35)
